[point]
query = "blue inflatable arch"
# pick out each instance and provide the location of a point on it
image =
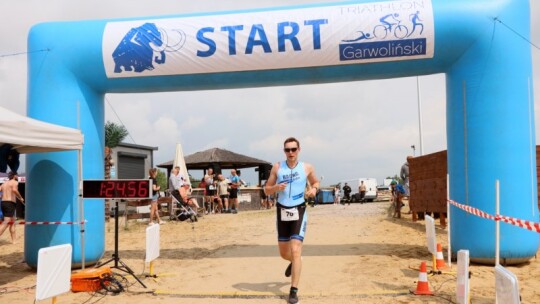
(490, 123)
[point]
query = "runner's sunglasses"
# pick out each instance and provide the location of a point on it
(287, 150)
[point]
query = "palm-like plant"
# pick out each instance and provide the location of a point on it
(114, 134)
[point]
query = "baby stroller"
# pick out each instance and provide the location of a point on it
(181, 211)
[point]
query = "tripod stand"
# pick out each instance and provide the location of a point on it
(115, 256)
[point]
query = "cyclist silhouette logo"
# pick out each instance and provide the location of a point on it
(390, 26)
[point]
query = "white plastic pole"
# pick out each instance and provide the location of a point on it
(81, 209)
(79, 190)
(532, 148)
(449, 254)
(420, 115)
(497, 223)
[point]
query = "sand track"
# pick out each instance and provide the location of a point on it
(352, 254)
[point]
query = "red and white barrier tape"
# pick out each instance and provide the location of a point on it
(472, 210)
(40, 223)
(532, 226)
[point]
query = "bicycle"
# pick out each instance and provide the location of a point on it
(399, 31)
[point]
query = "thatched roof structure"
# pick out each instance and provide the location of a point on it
(218, 158)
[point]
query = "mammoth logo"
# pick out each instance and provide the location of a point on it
(136, 50)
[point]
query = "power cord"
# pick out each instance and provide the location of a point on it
(439, 288)
(6, 289)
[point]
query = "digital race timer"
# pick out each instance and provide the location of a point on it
(117, 188)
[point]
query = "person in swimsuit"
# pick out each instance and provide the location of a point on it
(288, 180)
(10, 194)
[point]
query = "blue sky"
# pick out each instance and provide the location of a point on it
(347, 130)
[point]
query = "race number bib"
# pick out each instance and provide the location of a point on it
(288, 215)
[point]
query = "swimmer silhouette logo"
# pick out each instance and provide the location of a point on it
(145, 45)
(390, 37)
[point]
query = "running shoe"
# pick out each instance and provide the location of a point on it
(288, 270)
(293, 298)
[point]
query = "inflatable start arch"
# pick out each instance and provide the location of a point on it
(490, 125)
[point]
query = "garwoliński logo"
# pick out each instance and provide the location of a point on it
(145, 45)
(389, 38)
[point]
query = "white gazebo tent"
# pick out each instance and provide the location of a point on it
(28, 135)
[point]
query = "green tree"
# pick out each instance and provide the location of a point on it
(114, 134)
(161, 179)
(396, 178)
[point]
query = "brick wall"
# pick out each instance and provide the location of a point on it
(427, 181)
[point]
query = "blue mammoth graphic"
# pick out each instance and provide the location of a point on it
(135, 51)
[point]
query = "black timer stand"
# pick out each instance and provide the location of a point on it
(118, 264)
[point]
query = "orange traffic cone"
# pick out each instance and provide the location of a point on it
(422, 287)
(439, 262)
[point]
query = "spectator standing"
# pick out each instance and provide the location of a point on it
(154, 213)
(362, 191)
(398, 191)
(223, 193)
(404, 174)
(336, 195)
(208, 206)
(210, 186)
(347, 192)
(233, 197)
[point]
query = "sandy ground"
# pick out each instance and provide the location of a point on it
(352, 254)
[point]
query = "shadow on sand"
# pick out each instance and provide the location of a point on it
(250, 251)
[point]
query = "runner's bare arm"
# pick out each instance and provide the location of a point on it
(313, 180)
(271, 186)
(15, 191)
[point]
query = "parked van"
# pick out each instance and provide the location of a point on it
(386, 184)
(371, 189)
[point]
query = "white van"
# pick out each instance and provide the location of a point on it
(371, 188)
(386, 184)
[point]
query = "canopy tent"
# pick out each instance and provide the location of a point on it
(218, 159)
(28, 135)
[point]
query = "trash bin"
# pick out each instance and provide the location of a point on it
(325, 197)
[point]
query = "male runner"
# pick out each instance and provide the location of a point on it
(288, 180)
(10, 194)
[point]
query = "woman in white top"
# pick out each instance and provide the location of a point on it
(336, 196)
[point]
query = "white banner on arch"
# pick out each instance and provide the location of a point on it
(273, 39)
